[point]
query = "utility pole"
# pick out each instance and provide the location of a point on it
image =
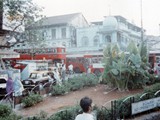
(159, 30)
(141, 22)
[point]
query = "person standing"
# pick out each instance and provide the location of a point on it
(9, 85)
(63, 72)
(18, 87)
(86, 105)
(56, 76)
(70, 68)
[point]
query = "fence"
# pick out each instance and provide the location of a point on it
(130, 106)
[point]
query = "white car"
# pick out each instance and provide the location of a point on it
(3, 82)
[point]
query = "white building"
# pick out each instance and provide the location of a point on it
(59, 30)
(74, 32)
(114, 29)
(153, 42)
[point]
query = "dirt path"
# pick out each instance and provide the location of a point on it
(100, 95)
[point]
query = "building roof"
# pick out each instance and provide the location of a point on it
(58, 20)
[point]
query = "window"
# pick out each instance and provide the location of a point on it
(18, 45)
(63, 30)
(96, 41)
(108, 39)
(63, 50)
(53, 33)
(44, 34)
(64, 44)
(85, 41)
(55, 50)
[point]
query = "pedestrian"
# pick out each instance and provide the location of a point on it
(18, 87)
(70, 68)
(63, 72)
(9, 85)
(56, 76)
(86, 105)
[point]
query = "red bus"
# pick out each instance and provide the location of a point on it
(54, 54)
(84, 62)
(154, 60)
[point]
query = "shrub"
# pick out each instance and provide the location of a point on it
(41, 116)
(12, 116)
(6, 113)
(59, 90)
(66, 114)
(75, 83)
(152, 88)
(5, 110)
(32, 99)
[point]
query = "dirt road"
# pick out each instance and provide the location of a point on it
(100, 94)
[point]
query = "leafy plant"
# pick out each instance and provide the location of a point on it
(59, 90)
(32, 99)
(5, 110)
(124, 70)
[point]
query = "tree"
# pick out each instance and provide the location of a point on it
(19, 13)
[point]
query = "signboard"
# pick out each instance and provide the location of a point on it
(12, 23)
(145, 105)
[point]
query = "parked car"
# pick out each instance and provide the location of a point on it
(38, 78)
(3, 82)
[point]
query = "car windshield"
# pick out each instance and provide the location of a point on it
(33, 75)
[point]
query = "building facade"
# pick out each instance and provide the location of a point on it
(77, 35)
(59, 30)
(114, 29)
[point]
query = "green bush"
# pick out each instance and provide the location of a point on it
(6, 113)
(66, 114)
(32, 99)
(75, 83)
(104, 114)
(59, 90)
(152, 88)
(90, 80)
(41, 116)
(5, 110)
(12, 116)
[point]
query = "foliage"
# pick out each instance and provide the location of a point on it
(125, 70)
(11, 116)
(32, 99)
(153, 88)
(104, 114)
(5, 110)
(41, 116)
(6, 113)
(21, 13)
(75, 83)
(59, 90)
(66, 114)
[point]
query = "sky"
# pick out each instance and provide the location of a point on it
(95, 10)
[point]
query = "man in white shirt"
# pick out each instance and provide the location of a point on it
(86, 105)
(70, 68)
